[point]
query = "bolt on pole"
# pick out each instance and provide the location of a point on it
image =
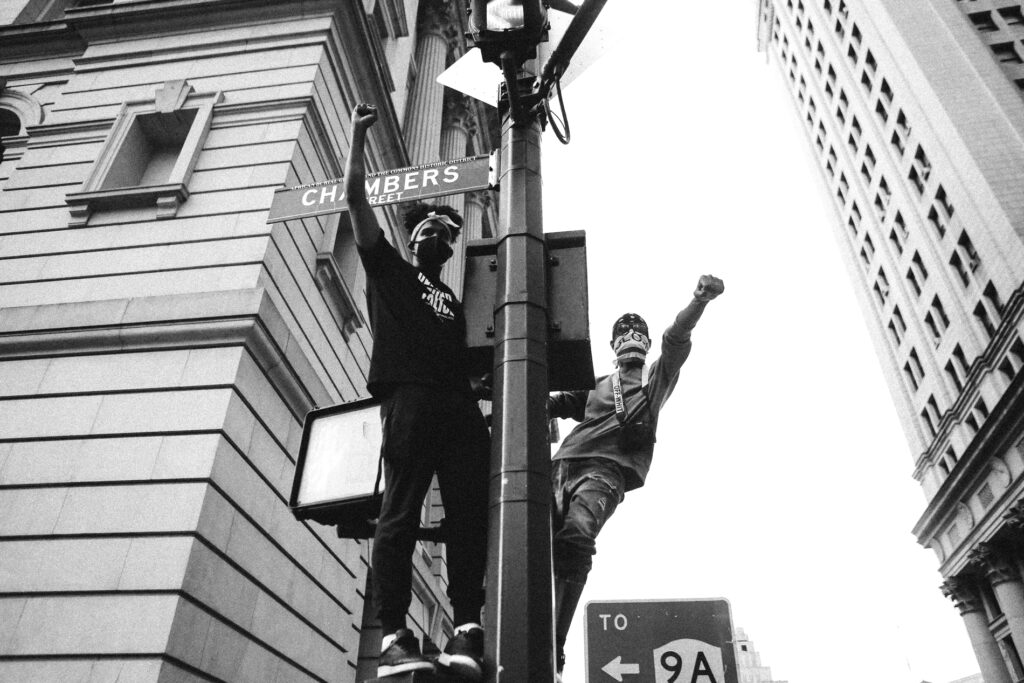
(519, 612)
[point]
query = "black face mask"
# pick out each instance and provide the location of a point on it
(433, 251)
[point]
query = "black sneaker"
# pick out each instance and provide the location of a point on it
(402, 656)
(463, 656)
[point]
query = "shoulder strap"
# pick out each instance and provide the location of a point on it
(620, 400)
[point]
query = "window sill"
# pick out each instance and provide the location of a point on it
(167, 199)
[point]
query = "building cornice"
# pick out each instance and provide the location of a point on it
(994, 437)
(246, 317)
(24, 42)
(988, 361)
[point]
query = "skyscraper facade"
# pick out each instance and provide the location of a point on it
(914, 113)
(160, 342)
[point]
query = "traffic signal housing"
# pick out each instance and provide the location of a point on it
(507, 26)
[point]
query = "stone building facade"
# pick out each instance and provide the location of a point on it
(160, 343)
(914, 113)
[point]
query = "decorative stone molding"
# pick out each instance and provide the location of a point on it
(963, 593)
(964, 516)
(339, 298)
(1002, 472)
(27, 108)
(458, 113)
(992, 561)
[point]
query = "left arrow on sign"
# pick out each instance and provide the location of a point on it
(616, 668)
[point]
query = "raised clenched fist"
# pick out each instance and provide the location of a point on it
(364, 116)
(708, 287)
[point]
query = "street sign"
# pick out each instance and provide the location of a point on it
(386, 187)
(654, 641)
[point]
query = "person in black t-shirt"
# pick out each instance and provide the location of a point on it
(430, 418)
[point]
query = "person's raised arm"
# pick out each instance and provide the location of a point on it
(365, 228)
(708, 287)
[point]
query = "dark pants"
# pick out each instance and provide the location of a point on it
(430, 430)
(586, 493)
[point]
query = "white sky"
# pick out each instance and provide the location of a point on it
(781, 479)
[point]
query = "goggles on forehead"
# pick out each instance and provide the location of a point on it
(629, 321)
(450, 226)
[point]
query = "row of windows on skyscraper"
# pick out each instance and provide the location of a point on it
(1001, 27)
(963, 258)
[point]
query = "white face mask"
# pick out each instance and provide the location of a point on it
(630, 345)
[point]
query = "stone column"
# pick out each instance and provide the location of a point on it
(476, 205)
(965, 596)
(458, 126)
(423, 119)
(1006, 584)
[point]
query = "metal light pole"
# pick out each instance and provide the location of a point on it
(519, 612)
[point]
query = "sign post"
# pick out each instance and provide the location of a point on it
(644, 641)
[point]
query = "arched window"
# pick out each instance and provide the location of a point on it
(10, 125)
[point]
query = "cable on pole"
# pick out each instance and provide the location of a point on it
(559, 124)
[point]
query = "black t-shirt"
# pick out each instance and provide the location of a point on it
(419, 331)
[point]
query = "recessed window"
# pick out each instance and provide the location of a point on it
(984, 320)
(865, 80)
(855, 35)
(898, 143)
(957, 368)
(1007, 53)
(916, 181)
(149, 155)
(917, 263)
(897, 327)
(885, 91)
(10, 126)
(867, 252)
(881, 111)
(995, 304)
(912, 370)
(943, 202)
(937, 220)
(922, 164)
(1013, 15)
(881, 287)
(983, 21)
(898, 235)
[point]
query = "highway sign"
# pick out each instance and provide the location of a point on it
(386, 187)
(659, 641)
